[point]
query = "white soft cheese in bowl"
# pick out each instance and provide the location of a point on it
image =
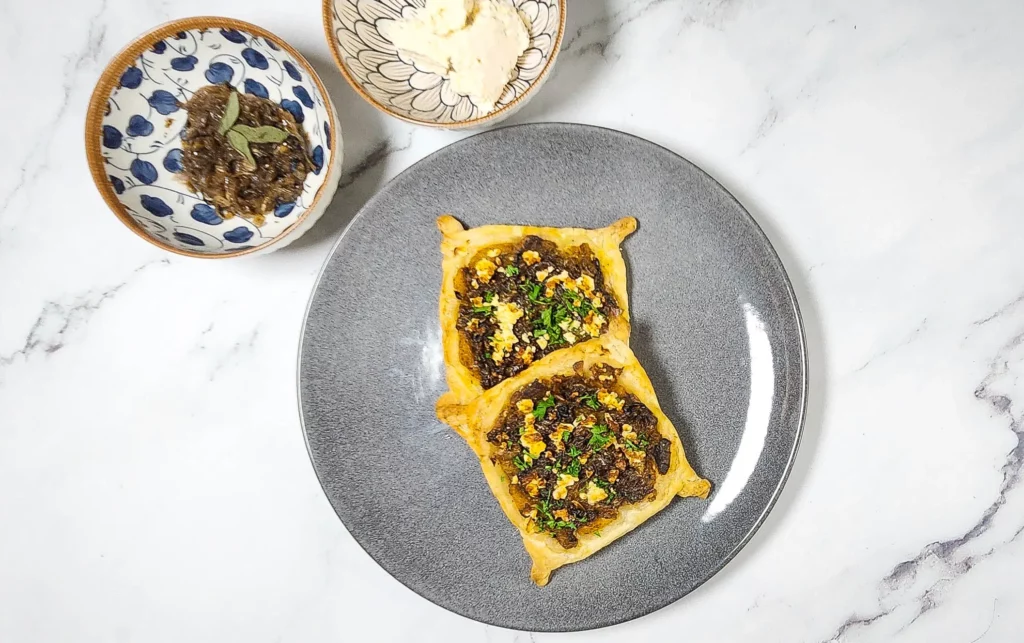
(473, 43)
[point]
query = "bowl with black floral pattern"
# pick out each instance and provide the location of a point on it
(390, 80)
(137, 114)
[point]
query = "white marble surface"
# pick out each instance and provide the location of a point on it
(154, 485)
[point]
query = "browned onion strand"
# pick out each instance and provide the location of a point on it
(223, 176)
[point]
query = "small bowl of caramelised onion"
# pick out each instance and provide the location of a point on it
(212, 138)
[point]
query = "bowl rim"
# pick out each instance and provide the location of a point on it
(109, 80)
(332, 42)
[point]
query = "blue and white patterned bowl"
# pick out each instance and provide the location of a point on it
(134, 124)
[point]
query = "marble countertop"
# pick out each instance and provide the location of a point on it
(155, 484)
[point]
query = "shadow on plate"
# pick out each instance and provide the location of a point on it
(641, 341)
(366, 147)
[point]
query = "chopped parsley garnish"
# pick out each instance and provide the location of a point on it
(604, 484)
(597, 532)
(532, 291)
(543, 511)
(574, 452)
(560, 315)
(549, 323)
(547, 521)
(632, 446)
(577, 302)
(566, 435)
(545, 318)
(487, 307)
(607, 486)
(548, 314)
(590, 400)
(520, 463)
(599, 437)
(542, 406)
(511, 271)
(574, 468)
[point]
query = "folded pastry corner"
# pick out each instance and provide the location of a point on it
(512, 296)
(576, 450)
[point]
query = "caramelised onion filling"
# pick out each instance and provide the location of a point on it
(522, 301)
(575, 449)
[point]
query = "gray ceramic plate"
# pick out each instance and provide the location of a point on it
(715, 324)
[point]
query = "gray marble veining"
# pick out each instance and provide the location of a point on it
(878, 143)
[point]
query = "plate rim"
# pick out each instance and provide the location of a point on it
(803, 361)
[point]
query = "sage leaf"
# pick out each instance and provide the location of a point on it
(230, 113)
(239, 143)
(262, 134)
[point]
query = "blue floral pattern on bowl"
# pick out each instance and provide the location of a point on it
(144, 117)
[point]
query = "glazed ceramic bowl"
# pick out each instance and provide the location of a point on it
(135, 119)
(389, 80)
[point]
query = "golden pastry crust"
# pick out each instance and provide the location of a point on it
(475, 419)
(459, 245)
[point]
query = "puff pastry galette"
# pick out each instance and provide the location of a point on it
(513, 295)
(576, 448)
